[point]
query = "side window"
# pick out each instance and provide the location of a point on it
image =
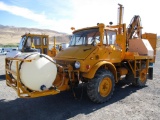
(105, 38)
(28, 43)
(22, 42)
(111, 37)
(37, 40)
(45, 41)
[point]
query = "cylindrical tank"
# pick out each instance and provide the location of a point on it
(37, 75)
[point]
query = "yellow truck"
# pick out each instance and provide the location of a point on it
(100, 56)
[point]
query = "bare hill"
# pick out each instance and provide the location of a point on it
(12, 35)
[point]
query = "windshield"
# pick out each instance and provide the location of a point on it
(85, 37)
(22, 42)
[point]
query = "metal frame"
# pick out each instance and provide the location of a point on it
(137, 66)
(15, 83)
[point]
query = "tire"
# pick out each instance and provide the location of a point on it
(101, 87)
(141, 80)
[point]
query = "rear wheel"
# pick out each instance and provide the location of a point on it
(101, 87)
(141, 80)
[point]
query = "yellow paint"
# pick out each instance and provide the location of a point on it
(105, 87)
(105, 64)
(42, 44)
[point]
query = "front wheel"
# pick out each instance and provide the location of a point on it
(101, 87)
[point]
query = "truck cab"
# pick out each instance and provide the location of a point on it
(34, 43)
(91, 46)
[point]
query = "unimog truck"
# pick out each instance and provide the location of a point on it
(100, 56)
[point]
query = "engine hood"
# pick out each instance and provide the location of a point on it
(75, 52)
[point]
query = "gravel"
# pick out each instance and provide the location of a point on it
(127, 103)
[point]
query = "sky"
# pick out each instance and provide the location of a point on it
(61, 15)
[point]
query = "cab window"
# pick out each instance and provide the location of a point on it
(22, 42)
(28, 43)
(109, 37)
(85, 37)
(44, 41)
(37, 40)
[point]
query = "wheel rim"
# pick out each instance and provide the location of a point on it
(105, 87)
(143, 76)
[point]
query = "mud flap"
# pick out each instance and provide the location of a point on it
(150, 71)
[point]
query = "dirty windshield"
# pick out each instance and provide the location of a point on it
(85, 37)
(23, 39)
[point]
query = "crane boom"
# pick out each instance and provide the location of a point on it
(134, 29)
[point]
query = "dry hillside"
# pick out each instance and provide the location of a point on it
(12, 35)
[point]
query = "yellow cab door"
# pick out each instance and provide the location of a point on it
(113, 50)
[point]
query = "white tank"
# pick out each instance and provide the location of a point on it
(37, 75)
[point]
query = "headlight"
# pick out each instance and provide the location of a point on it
(77, 64)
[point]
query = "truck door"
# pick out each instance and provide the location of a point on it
(114, 51)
